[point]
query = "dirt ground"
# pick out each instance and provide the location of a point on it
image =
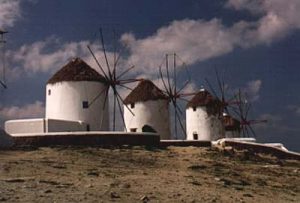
(137, 174)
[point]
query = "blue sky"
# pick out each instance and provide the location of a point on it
(254, 44)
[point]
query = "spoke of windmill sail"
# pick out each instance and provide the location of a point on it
(122, 116)
(121, 85)
(247, 110)
(183, 99)
(119, 96)
(211, 88)
(181, 125)
(97, 96)
(252, 131)
(177, 107)
(163, 81)
(128, 81)
(183, 87)
(98, 63)
(126, 71)
(220, 86)
(105, 98)
(115, 52)
(184, 67)
(116, 62)
(114, 113)
(3, 84)
(175, 76)
(104, 52)
(168, 74)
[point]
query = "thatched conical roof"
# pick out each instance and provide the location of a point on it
(76, 70)
(203, 98)
(145, 91)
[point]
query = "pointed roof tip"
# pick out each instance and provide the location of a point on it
(76, 70)
(202, 98)
(146, 90)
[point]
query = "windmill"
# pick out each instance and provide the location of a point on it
(222, 96)
(171, 89)
(113, 78)
(2, 44)
(243, 112)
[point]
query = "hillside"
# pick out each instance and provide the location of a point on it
(175, 174)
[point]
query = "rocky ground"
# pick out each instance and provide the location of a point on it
(136, 174)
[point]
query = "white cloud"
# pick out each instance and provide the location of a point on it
(51, 54)
(252, 90)
(198, 40)
(34, 110)
(278, 18)
(9, 12)
(192, 40)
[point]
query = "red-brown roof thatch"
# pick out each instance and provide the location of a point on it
(145, 91)
(202, 98)
(76, 70)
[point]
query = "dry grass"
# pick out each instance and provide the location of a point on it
(175, 174)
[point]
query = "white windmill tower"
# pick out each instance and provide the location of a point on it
(149, 110)
(70, 95)
(202, 120)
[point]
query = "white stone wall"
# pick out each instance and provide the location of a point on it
(41, 125)
(207, 127)
(64, 101)
(152, 113)
(25, 126)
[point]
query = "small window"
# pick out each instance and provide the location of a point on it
(87, 127)
(194, 108)
(49, 92)
(133, 130)
(132, 105)
(85, 104)
(195, 136)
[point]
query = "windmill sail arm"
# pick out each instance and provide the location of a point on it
(2, 84)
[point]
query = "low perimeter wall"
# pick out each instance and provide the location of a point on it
(87, 139)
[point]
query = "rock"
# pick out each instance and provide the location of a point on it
(194, 182)
(3, 199)
(48, 191)
(239, 188)
(247, 195)
(126, 185)
(197, 167)
(114, 195)
(93, 173)
(145, 199)
(217, 179)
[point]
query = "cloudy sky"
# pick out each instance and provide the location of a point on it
(254, 44)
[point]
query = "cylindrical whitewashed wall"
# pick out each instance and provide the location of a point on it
(154, 113)
(70, 100)
(201, 126)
